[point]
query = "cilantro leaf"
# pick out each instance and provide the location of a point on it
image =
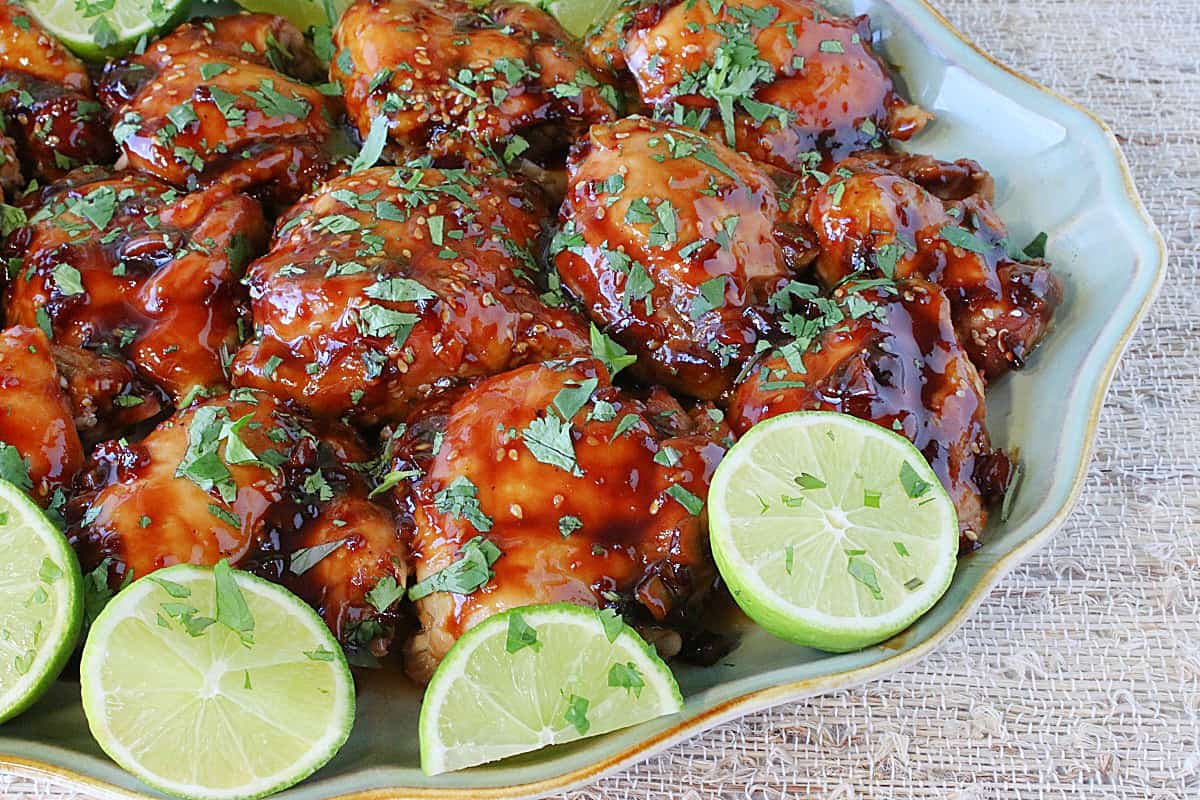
(305, 558)
(372, 147)
(14, 467)
(465, 575)
(520, 635)
(385, 592)
(232, 611)
(549, 441)
(461, 499)
(614, 356)
(626, 676)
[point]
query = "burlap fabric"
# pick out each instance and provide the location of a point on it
(1080, 675)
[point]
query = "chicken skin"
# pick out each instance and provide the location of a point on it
(121, 263)
(870, 220)
(454, 80)
(223, 101)
(40, 450)
(670, 240)
(47, 102)
(240, 477)
(391, 283)
(889, 354)
(557, 487)
(784, 81)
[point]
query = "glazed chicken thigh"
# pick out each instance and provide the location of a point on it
(669, 240)
(870, 220)
(393, 282)
(453, 79)
(784, 81)
(121, 263)
(48, 105)
(242, 478)
(223, 101)
(40, 450)
(887, 353)
(558, 487)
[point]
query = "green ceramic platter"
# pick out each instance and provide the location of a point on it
(1057, 169)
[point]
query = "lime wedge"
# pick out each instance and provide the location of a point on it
(304, 14)
(96, 32)
(578, 16)
(535, 676)
(41, 601)
(830, 531)
(213, 683)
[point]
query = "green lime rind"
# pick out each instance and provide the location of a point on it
(41, 602)
(110, 33)
(204, 716)
(831, 531)
(304, 14)
(486, 702)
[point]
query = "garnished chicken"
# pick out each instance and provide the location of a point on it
(223, 101)
(48, 105)
(121, 263)
(240, 477)
(872, 221)
(549, 484)
(40, 450)
(784, 80)
(671, 241)
(221, 377)
(888, 353)
(449, 79)
(392, 283)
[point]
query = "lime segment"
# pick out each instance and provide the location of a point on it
(536, 676)
(212, 683)
(830, 531)
(95, 31)
(578, 16)
(41, 605)
(303, 14)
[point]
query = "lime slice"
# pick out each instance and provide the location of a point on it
(41, 601)
(535, 676)
(304, 14)
(109, 31)
(577, 16)
(830, 531)
(213, 683)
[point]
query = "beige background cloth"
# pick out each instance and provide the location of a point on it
(1080, 675)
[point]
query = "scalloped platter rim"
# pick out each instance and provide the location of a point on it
(1057, 168)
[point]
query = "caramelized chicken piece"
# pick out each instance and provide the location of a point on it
(453, 79)
(47, 101)
(241, 478)
(889, 354)
(785, 80)
(393, 282)
(40, 450)
(669, 240)
(556, 486)
(870, 220)
(223, 101)
(124, 264)
(107, 397)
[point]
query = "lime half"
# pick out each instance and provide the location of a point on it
(830, 531)
(535, 676)
(96, 31)
(213, 683)
(41, 601)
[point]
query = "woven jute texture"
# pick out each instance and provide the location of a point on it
(1080, 675)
